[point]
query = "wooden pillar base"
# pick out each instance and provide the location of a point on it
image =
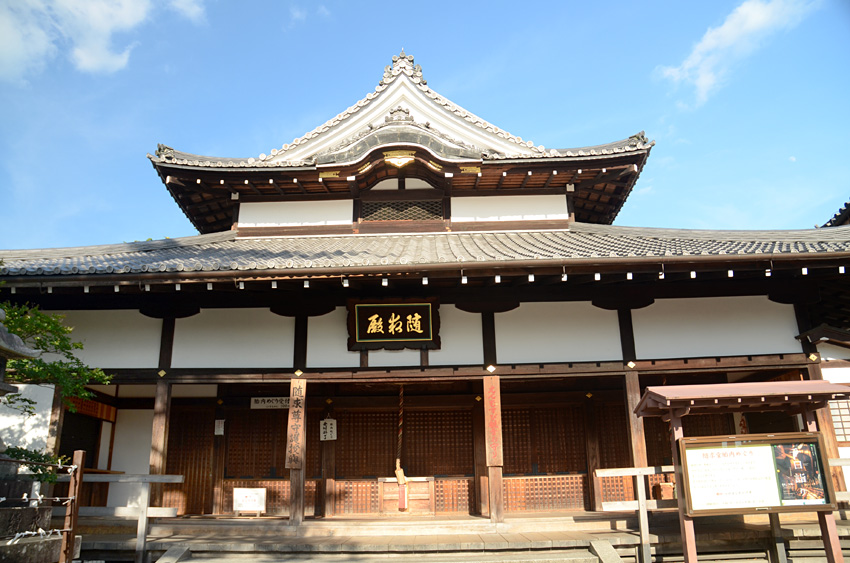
(495, 493)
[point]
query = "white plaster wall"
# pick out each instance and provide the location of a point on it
(831, 352)
(115, 339)
(103, 451)
(714, 326)
(234, 338)
(835, 375)
(131, 454)
(392, 358)
(23, 431)
(327, 341)
(461, 342)
(296, 213)
(509, 208)
(557, 332)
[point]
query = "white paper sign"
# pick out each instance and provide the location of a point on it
(730, 478)
(327, 430)
(269, 402)
(219, 427)
(249, 500)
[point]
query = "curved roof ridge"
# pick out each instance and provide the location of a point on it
(403, 64)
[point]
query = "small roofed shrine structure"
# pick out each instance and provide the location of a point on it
(409, 283)
(672, 403)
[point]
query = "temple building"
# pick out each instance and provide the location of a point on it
(410, 282)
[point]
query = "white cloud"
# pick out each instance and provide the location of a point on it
(297, 14)
(190, 9)
(743, 32)
(792, 158)
(35, 31)
(323, 11)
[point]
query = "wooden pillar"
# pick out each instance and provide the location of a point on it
(159, 438)
(493, 444)
(591, 442)
(482, 494)
(296, 449)
(636, 429)
(824, 424)
(686, 523)
(219, 434)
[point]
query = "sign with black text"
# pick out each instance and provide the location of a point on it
(755, 473)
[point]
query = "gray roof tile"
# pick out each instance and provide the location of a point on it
(582, 242)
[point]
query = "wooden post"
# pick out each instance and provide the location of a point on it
(159, 438)
(218, 462)
(67, 550)
(686, 523)
(778, 545)
(826, 520)
(636, 429)
(493, 443)
(591, 443)
(142, 525)
(479, 442)
(295, 449)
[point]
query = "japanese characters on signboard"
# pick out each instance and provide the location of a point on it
(755, 473)
(393, 325)
(295, 424)
(327, 430)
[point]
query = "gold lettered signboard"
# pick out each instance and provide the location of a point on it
(393, 325)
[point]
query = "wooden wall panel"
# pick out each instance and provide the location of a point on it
(190, 447)
(560, 437)
(516, 429)
(366, 444)
(455, 495)
(437, 443)
(545, 493)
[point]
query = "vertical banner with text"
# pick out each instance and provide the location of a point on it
(493, 420)
(295, 430)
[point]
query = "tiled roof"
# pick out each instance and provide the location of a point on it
(840, 218)
(402, 67)
(581, 243)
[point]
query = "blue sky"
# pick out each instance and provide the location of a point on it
(748, 101)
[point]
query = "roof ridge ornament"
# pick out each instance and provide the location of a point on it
(403, 63)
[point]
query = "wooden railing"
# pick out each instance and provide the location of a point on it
(142, 512)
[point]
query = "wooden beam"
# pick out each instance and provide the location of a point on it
(298, 183)
(525, 180)
(549, 178)
(477, 181)
(253, 187)
(274, 185)
(686, 523)
(481, 475)
(636, 427)
(501, 180)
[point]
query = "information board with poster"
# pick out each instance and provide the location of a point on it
(753, 473)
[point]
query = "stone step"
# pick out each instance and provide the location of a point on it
(553, 556)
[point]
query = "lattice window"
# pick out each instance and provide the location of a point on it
(438, 443)
(366, 444)
(840, 411)
(402, 210)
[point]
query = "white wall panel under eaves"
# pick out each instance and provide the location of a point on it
(460, 339)
(234, 338)
(327, 341)
(115, 339)
(537, 333)
(715, 326)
